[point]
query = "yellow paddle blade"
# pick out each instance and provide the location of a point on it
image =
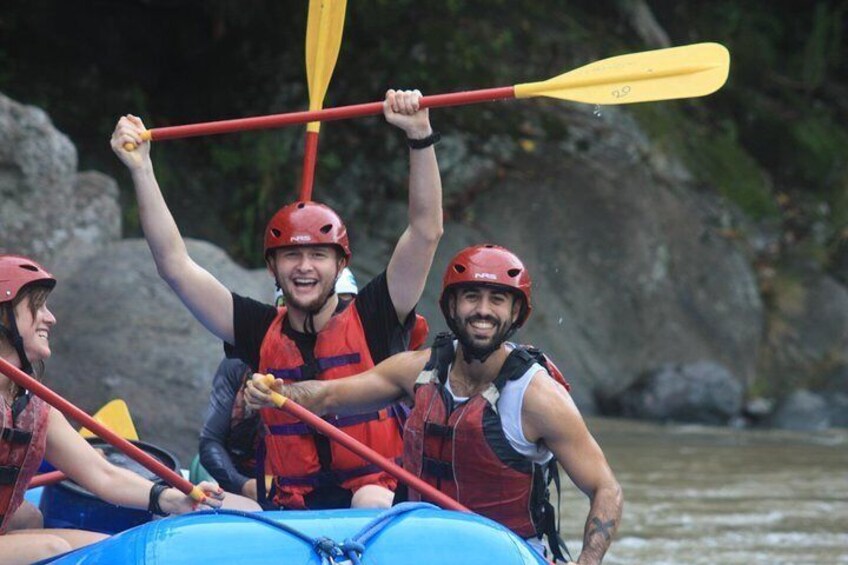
(324, 27)
(663, 74)
(116, 416)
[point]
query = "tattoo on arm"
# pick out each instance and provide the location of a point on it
(601, 523)
(597, 538)
(603, 528)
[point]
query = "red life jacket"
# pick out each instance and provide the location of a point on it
(23, 440)
(462, 449)
(419, 333)
(291, 452)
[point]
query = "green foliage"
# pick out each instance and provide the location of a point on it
(785, 99)
(821, 52)
(780, 117)
(815, 51)
(257, 173)
(839, 204)
(820, 147)
(719, 158)
(713, 154)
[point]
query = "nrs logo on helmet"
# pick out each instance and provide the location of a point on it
(300, 223)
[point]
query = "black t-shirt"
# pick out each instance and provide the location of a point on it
(384, 333)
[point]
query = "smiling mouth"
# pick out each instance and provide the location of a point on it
(304, 283)
(43, 334)
(482, 329)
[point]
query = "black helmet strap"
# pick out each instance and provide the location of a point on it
(14, 336)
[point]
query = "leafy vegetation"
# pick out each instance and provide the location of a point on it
(778, 129)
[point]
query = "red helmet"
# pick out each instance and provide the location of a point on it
(16, 272)
(489, 265)
(306, 223)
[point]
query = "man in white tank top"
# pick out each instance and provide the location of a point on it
(509, 407)
(517, 416)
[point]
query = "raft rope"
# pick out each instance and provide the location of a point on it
(330, 551)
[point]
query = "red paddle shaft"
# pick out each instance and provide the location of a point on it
(325, 115)
(310, 155)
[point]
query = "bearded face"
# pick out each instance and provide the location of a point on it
(483, 316)
(306, 275)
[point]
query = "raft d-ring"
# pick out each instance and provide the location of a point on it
(327, 548)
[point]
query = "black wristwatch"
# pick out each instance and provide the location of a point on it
(424, 142)
(155, 493)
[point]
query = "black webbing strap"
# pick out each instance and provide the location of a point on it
(551, 517)
(438, 430)
(9, 474)
(15, 436)
(441, 355)
(437, 469)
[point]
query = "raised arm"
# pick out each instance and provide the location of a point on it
(205, 296)
(413, 255)
(550, 415)
(376, 388)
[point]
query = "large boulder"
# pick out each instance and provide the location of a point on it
(807, 333)
(839, 258)
(49, 211)
(802, 410)
(701, 392)
(630, 269)
(837, 408)
(122, 333)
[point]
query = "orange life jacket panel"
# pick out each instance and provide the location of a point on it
(291, 455)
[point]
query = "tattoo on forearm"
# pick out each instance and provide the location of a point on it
(601, 524)
(603, 528)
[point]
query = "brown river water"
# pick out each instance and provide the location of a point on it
(696, 494)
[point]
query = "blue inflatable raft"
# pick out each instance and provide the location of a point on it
(411, 533)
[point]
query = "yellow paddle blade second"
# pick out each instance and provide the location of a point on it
(116, 416)
(324, 27)
(663, 74)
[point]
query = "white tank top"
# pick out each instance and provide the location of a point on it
(509, 409)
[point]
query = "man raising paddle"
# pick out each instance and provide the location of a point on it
(315, 336)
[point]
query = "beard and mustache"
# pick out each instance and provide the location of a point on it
(311, 307)
(476, 348)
